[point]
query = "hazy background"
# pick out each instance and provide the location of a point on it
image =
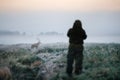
(49, 20)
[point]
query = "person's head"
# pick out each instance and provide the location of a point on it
(77, 24)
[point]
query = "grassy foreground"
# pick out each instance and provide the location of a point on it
(101, 62)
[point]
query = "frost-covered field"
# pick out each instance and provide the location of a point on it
(48, 61)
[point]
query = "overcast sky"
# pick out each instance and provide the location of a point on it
(61, 5)
(34, 16)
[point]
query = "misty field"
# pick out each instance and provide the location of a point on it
(48, 62)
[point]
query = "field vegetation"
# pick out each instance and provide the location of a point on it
(101, 62)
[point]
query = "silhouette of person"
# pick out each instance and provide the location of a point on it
(76, 36)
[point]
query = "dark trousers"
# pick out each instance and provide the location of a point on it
(75, 54)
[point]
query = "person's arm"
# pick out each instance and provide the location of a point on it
(69, 32)
(84, 35)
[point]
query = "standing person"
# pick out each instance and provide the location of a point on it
(76, 36)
